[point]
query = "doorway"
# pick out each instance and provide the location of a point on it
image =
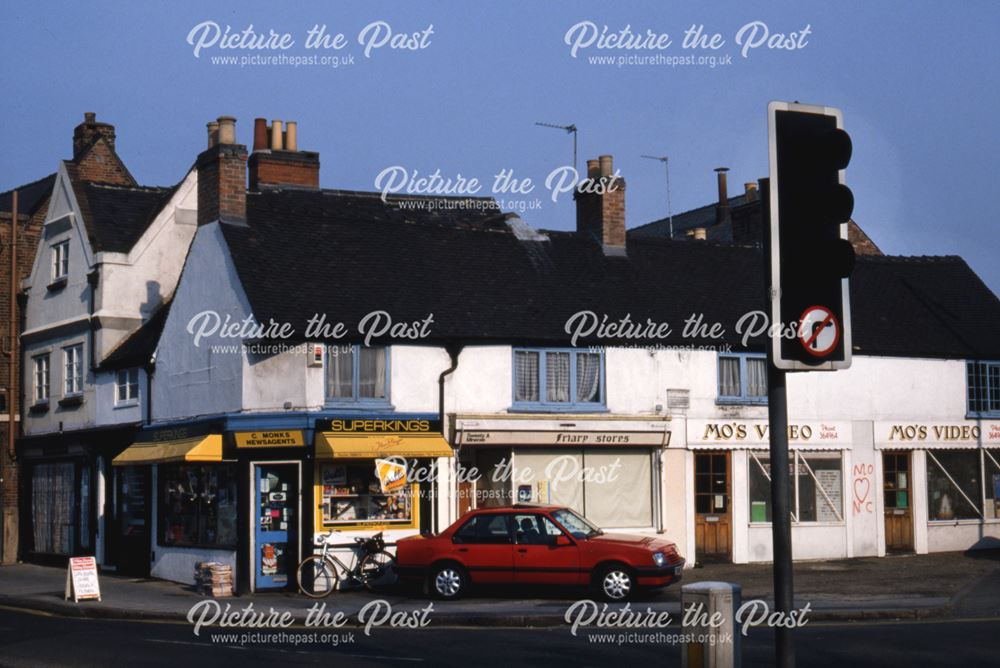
(275, 513)
(131, 521)
(712, 506)
(896, 481)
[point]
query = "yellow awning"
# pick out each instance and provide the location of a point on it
(198, 449)
(332, 445)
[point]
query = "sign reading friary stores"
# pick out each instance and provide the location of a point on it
(756, 433)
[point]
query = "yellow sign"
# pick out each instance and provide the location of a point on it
(391, 475)
(270, 439)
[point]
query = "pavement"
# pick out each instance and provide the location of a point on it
(942, 585)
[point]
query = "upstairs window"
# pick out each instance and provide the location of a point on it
(60, 260)
(73, 358)
(127, 386)
(357, 374)
(743, 379)
(558, 379)
(983, 382)
(41, 378)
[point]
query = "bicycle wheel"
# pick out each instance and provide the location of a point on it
(317, 577)
(376, 570)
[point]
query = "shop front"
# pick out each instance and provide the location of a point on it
(730, 489)
(606, 468)
(63, 494)
(940, 485)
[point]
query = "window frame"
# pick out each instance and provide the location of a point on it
(60, 260)
(77, 349)
(129, 400)
(571, 406)
(972, 371)
(162, 513)
(934, 462)
(356, 401)
(744, 396)
(35, 359)
(799, 458)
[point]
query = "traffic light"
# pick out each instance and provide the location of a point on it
(810, 256)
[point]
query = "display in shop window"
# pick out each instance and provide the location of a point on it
(353, 493)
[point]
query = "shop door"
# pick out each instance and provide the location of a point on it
(276, 507)
(898, 512)
(712, 512)
(130, 537)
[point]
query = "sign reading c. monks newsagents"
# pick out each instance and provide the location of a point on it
(270, 439)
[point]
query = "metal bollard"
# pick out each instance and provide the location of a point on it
(709, 622)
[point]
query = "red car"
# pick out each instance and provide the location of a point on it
(528, 544)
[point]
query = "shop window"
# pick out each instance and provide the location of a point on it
(743, 379)
(53, 505)
(352, 495)
(60, 260)
(558, 380)
(73, 369)
(127, 386)
(983, 382)
(817, 487)
(357, 374)
(954, 490)
(41, 363)
(198, 505)
(991, 462)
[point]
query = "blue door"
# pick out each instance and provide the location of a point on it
(276, 501)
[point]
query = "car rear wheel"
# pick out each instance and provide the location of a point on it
(615, 583)
(448, 581)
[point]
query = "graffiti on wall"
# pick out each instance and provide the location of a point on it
(863, 502)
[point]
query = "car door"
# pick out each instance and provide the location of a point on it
(543, 553)
(485, 547)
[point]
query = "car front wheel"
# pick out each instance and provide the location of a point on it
(448, 581)
(615, 583)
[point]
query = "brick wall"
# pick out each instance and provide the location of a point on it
(602, 214)
(222, 177)
(95, 154)
(284, 168)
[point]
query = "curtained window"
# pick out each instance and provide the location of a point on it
(53, 505)
(983, 382)
(357, 373)
(558, 379)
(743, 379)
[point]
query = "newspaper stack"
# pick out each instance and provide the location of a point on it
(213, 579)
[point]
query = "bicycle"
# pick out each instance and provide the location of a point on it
(318, 574)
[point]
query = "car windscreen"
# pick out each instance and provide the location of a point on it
(575, 524)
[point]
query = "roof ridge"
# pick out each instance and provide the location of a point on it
(375, 194)
(27, 185)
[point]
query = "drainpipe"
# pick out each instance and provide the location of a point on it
(13, 347)
(92, 279)
(454, 349)
(150, 369)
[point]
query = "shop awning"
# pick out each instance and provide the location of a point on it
(331, 445)
(198, 449)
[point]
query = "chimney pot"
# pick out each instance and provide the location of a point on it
(607, 166)
(291, 136)
(593, 169)
(276, 135)
(227, 129)
(750, 190)
(89, 117)
(260, 134)
(213, 133)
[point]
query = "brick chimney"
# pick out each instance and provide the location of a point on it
(94, 153)
(277, 162)
(222, 172)
(600, 205)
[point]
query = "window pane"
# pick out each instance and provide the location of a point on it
(756, 377)
(820, 479)
(557, 377)
(351, 494)
(371, 373)
(588, 377)
(991, 459)
(947, 497)
(198, 505)
(340, 372)
(625, 501)
(760, 489)
(729, 377)
(52, 504)
(525, 376)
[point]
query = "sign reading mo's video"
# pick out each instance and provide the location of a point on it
(376, 325)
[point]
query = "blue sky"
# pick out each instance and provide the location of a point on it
(917, 81)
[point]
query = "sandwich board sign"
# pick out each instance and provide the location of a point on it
(81, 579)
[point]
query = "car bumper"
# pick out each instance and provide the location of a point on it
(656, 576)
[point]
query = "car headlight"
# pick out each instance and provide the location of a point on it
(659, 559)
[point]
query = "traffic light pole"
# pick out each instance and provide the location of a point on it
(781, 511)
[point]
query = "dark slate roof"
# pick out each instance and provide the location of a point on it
(703, 216)
(137, 348)
(30, 196)
(348, 254)
(116, 216)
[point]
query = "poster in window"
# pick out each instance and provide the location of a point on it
(830, 483)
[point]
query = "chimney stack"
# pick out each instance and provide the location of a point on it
(722, 208)
(94, 153)
(750, 191)
(600, 206)
(277, 162)
(90, 131)
(222, 194)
